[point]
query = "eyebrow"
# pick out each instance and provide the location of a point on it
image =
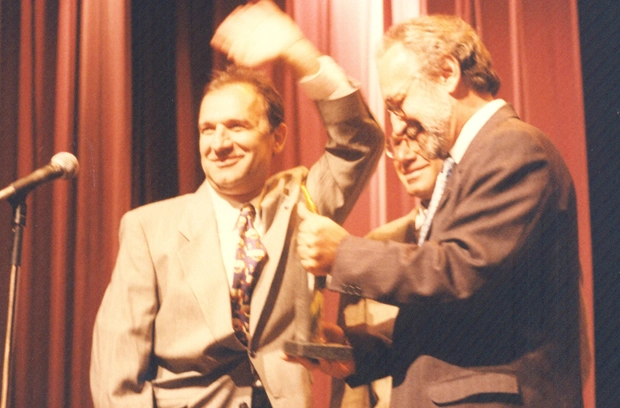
(228, 123)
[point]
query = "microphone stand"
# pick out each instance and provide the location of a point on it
(19, 222)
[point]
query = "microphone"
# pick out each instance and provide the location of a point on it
(62, 165)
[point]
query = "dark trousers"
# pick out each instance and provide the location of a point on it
(259, 398)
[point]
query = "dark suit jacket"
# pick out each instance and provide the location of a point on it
(489, 305)
(163, 334)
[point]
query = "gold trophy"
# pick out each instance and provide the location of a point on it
(309, 340)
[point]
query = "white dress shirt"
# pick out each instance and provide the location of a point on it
(472, 127)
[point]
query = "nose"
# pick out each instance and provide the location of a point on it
(220, 139)
(403, 153)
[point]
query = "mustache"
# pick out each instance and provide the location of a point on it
(433, 140)
(434, 146)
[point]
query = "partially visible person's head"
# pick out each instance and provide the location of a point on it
(424, 64)
(415, 172)
(241, 125)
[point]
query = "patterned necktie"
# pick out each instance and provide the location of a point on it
(250, 253)
(440, 186)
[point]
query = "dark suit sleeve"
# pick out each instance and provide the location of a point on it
(491, 215)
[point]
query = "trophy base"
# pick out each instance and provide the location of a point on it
(326, 351)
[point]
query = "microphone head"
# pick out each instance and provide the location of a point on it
(66, 163)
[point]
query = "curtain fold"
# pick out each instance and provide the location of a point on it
(69, 61)
(64, 201)
(104, 187)
(35, 147)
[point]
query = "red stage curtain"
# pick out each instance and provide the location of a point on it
(67, 87)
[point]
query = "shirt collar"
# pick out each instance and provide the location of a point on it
(225, 210)
(472, 127)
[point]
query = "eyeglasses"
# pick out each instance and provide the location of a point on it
(409, 138)
(394, 103)
(412, 129)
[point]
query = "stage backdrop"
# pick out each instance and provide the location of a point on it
(118, 84)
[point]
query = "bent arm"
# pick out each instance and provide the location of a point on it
(491, 217)
(353, 148)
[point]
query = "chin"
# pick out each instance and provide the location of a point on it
(224, 185)
(412, 190)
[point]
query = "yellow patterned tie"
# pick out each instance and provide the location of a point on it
(250, 253)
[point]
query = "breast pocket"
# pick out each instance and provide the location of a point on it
(499, 388)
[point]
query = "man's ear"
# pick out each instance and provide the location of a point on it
(279, 136)
(450, 73)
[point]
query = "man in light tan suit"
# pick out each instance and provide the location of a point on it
(164, 333)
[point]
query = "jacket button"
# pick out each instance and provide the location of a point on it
(252, 353)
(243, 405)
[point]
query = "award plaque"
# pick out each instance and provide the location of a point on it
(309, 341)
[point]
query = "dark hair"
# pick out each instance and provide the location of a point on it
(274, 107)
(430, 38)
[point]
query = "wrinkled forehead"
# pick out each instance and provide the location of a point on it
(240, 92)
(395, 68)
(235, 100)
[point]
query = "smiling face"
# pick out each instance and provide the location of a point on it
(236, 142)
(417, 174)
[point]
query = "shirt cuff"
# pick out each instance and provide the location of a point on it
(330, 82)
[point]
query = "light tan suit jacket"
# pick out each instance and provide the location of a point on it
(163, 335)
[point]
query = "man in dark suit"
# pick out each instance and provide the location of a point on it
(165, 334)
(489, 296)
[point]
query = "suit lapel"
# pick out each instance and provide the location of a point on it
(277, 205)
(204, 268)
(202, 260)
(503, 113)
